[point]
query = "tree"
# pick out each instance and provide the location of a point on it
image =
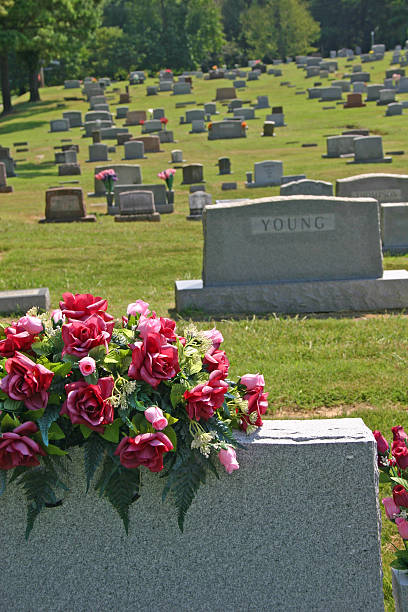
(204, 31)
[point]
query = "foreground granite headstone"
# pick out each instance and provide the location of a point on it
(21, 300)
(317, 254)
(380, 186)
(321, 554)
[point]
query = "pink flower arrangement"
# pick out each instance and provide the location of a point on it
(108, 177)
(136, 395)
(168, 177)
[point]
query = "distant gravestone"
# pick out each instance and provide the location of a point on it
(59, 125)
(210, 108)
(393, 109)
(267, 174)
(386, 96)
(4, 188)
(360, 76)
(394, 225)
(69, 169)
(181, 89)
(268, 128)
(159, 193)
(262, 102)
(402, 86)
(382, 187)
(177, 156)
(158, 113)
(121, 112)
(219, 130)
(318, 254)
(224, 165)
(95, 126)
(137, 206)
(74, 118)
(198, 126)
(151, 90)
(193, 173)
(307, 187)
(153, 125)
(194, 114)
(98, 152)
(65, 157)
(166, 136)
(97, 115)
(72, 84)
(225, 93)
(122, 138)
(340, 145)
(373, 92)
(354, 100)
(359, 87)
(277, 117)
(127, 174)
(124, 98)
(151, 143)
(233, 104)
(111, 133)
(197, 202)
(65, 205)
(239, 84)
(245, 113)
(229, 186)
(369, 149)
(165, 86)
(135, 117)
(134, 149)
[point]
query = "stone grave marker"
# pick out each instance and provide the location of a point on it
(72, 84)
(219, 130)
(96, 115)
(266, 174)
(340, 145)
(197, 202)
(134, 149)
(307, 187)
(224, 165)
(394, 225)
(318, 254)
(268, 128)
(95, 100)
(122, 138)
(253, 76)
(64, 205)
(197, 126)
(158, 113)
(74, 118)
(382, 187)
(262, 102)
(330, 93)
(373, 92)
(229, 186)
(354, 100)
(59, 125)
(96, 136)
(166, 136)
(135, 117)
(165, 86)
(236, 103)
(151, 143)
(210, 108)
(402, 85)
(194, 114)
(65, 157)
(177, 156)
(277, 116)
(360, 76)
(359, 87)
(181, 89)
(111, 133)
(152, 125)
(159, 193)
(127, 174)
(102, 107)
(193, 173)
(69, 169)
(239, 84)
(95, 126)
(152, 90)
(244, 113)
(393, 109)
(121, 112)
(386, 96)
(137, 206)
(98, 152)
(225, 93)
(369, 150)
(4, 188)
(124, 98)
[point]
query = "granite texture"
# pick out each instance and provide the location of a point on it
(159, 193)
(400, 590)
(22, 300)
(394, 225)
(385, 293)
(127, 174)
(307, 187)
(380, 186)
(295, 528)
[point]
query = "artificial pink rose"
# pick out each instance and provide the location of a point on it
(215, 336)
(256, 398)
(82, 305)
(87, 366)
(20, 336)
(138, 308)
(390, 507)
(155, 416)
(398, 433)
(26, 381)
(32, 325)
(153, 360)
(382, 444)
(17, 449)
(56, 315)
(80, 337)
(168, 328)
(400, 496)
(148, 325)
(251, 381)
(228, 458)
(402, 525)
(400, 454)
(88, 404)
(206, 398)
(145, 449)
(215, 359)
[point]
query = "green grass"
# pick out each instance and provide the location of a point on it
(313, 366)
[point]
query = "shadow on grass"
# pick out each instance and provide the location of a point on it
(28, 170)
(21, 126)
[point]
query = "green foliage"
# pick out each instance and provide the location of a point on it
(44, 423)
(94, 449)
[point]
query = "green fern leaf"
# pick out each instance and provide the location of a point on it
(122, 491)
(94, 448)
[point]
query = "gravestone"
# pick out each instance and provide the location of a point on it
(262, 102)
(124, 98)
(210, 108)
(151, 143)
(193, 173)
(197, 126)
(122, 138)
(165, 86)
(386, 96)
(95, 126)
(65, 205)
(137, 206)
(166, 136)
(330, 93)
(72, 84)
(268, 128)
(74, 118)
(225, 93)
(127, 174)
(152, 90)
(224, 165)
(360, 76)
(194, 114)
(380, 186)
(229, 186)
(159, 193)
(340, 145)
(21, 300)
(245, 113)
(95, 100)
(59, 125)
(359, 87)
(236, 103)
(158, 113)
(4, 188)
(98, 152)
(393, 109)
(394, 225)
(277, 117)
(307, 187)
(402, 85)
(102, 107)
(134, 149)
(344, 85)
(65, 157)
(317, 254)
(354, 100)
(267, 174)
(121, 112)
(181, 89)
(239, 84)
(98, 116)
(69, 169)
(373, 92)
(369, 150)
(220, 130)
(96, 137)
(177, 156)
(197, 202)
(152, 125)
(111, 133)
(135, 117)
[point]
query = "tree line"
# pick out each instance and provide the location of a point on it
(74, 38)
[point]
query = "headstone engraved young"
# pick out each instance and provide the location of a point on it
(318, 254)
(197, 202)
(65, 205)
(134, 149)
(4, 188)
(137, 206)
(59, 125)
(193, 173)
(267, 174)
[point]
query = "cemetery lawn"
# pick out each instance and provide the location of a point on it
(313, 366)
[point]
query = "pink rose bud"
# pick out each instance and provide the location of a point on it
(215, 336)
(382, 444)
(155, 416)
(32, 325)
(228, 459)
(402, 525)
(390, 507)
(252, 380)
(56, 315)
(138, 307)
(148, 325)
(87, 366)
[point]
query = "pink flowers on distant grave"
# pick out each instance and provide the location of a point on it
(396, 76)
(107, 177)
(168, 176)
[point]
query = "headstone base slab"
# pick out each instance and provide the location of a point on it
(194, 217)
(381, 160)
(22, 300)
(386, 293)
(153, 217)
(86, 219)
